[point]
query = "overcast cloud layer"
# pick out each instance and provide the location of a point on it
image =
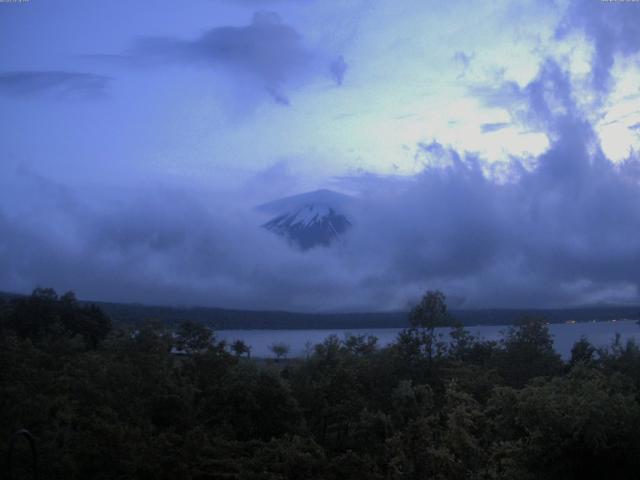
(490, 159)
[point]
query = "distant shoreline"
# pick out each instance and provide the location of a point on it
(300, 342)
(233, 319)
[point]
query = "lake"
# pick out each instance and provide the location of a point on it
(565, 335)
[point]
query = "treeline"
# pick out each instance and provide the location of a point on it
(125, 314)
(112, 403)
(226, 319)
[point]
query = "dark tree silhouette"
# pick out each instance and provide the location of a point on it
(193, 337)
(240, 348)
(280, 350)
(431, 312)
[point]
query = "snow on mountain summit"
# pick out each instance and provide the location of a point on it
(309, 219)
(310, 214)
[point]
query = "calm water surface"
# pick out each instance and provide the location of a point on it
(564, 335)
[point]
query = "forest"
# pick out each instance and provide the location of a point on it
(103, 401)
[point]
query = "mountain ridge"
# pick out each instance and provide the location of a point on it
(236, 319)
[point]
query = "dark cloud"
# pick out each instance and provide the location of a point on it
(278, 97)
(463, 58)
(57, 83)
(493, 127)
(507, 93)
(541, 105)
(338, 68)
(267, 49)
(612, 26)
(158, 245)
(464, 62)
(560, 231)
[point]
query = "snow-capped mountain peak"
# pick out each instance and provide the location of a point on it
(310, 219)
(310, 214)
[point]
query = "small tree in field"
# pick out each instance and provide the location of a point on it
(280, 350)
(240, 348)
(431, 312)
(421, 340)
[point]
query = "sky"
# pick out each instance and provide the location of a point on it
(493, 148)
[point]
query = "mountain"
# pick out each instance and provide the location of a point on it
(310, 219)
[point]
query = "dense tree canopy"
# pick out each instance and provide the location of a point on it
(44, 315)
(106, 403)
